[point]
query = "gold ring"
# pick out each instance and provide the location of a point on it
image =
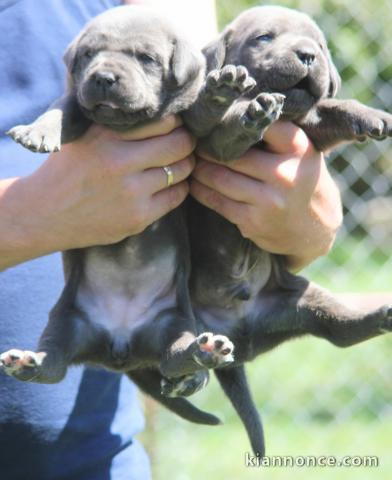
(169, 175)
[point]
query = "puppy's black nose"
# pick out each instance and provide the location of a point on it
(307, 57)
(105, 79)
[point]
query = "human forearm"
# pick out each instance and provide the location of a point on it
(17, 231)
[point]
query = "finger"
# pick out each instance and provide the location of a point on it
(255, 163)
(156, 179)
(233, 185)
(230, 209)
(158, 151)
(285, 137)
(166, 200)
(153, 129)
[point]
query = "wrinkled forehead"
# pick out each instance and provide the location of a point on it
(121, 29)
(276, 20)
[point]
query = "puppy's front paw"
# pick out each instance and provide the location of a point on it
(227, 84)
(21, 364)
(213, 350)
(186, 385)
(36, 137)
(262, 111)
(374, 124)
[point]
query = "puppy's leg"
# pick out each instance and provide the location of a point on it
(324, 316)
(221, 89)
(335, 121)
(169, 343)
(235, 385)
(188, 354)
(309, 309)
(67, 336)
(243, 126)
(63, 122)
(149, 381)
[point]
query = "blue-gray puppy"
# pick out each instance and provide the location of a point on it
(124, 306)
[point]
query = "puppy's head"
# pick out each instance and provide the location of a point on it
(284, 51)
(129, 66)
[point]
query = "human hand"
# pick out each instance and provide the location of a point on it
(283, 199)
(97, 190)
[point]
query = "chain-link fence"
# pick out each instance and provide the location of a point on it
(359, 37)
(316, 399)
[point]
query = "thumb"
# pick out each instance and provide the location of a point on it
(285, 137)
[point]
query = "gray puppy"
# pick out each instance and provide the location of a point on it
(126, 306)
(237, 289)
(279, 58)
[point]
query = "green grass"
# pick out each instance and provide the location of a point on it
(190, 454)
(315, 399)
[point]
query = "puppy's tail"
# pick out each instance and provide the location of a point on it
(149, 381)
(234, 384)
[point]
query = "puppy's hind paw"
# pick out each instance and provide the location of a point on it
(36, 138)
(265, 109)
(186, 385)
(213, 351)
(21, 364)
(227, 84)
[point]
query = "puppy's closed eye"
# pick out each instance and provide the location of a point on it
(146, 58)
(265, 37)
(87, 54)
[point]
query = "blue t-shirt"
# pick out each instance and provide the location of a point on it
(81, 428)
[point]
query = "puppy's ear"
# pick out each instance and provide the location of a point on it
(215, 51)
(70, 54)
(334, 78)
(186, 62)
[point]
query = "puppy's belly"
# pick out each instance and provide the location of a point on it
(119, 294)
